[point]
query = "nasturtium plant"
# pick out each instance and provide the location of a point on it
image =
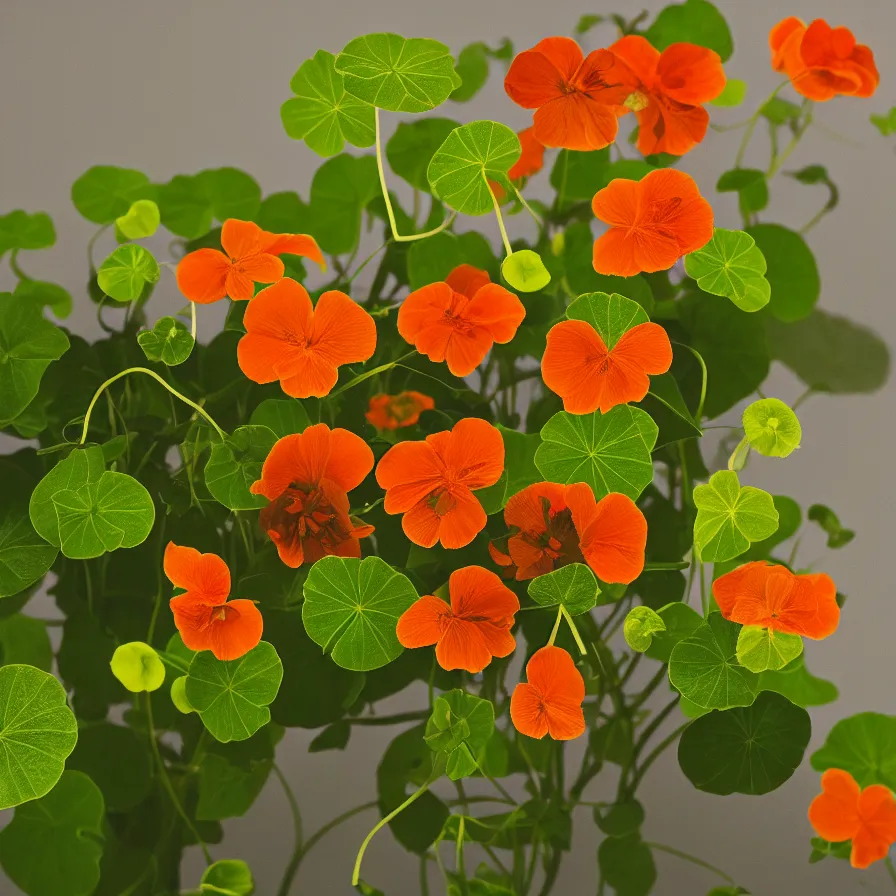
(474, 444)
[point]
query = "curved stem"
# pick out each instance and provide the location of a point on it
(159, 380)
(689, 858)
(366, 261)
(752, 122)
(296, 858)
(504, 238)
(779, 160)
(698, 414)
(369, 373)
(92, 242)
(14, 265)
(655, 754)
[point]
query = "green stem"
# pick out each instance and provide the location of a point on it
(320, 833)
(689, 858)
(698, 414)
(556, 627)
(459, 853)
(814, 220)
(751, 125)
(888, 864)
(396, 719)
(504, 238)
(159, 380)
(92, 242)
(368, 374)
(779, 160)
(657, 567)
(193, 320)
(655, 754)
(535, 217)
(296, 858)
(14, 265)
(575, 632)
(366, 262)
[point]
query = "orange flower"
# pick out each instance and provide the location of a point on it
(301, 345)
(306, 478)
(577, 98)
(552, 525)
(432, 482)
(669, 90)
(249, 257)
(532, 158)
(588, 376)
(395, 411)
(459, 320)
(653, 222)
(822, 62)
(772, 596)
(469, 632)
(843, 811)
(551, 702)
(204, 617)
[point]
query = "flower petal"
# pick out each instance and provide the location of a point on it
(202, 275)
(468, 280)
(553, 672)
(422, 308)
(409, 471)
(496, 310)
(241, 238)
(573, 349)
(834, 813)
(478, 592)
(293, 244)
(690, 74)
(463, 646)
(614, 540)
(421, 624)
(238, 632)
(204, 577)
(527, 711)
(577, 122)
(343, 332)
(537, 76)
(475, 453)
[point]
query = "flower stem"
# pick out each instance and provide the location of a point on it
(751, 125)
(657, 567)
(575, 632)
(888, 864)
(556, 627)
(507, 247)
(296, 858)
(369, 373)
(14, 265)
(692, 859)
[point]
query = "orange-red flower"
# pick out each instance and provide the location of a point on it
(250, 256)
(653, 222)
(432, 482)
(289, 339)
(772, 596)
(822, 62)
(668, 92)
(531, 159)
(459, 320)
(473, 629)
(843, 811)
(577, 98)
(204, 617)
(588, 376)
(551, 701)
(306, 478)
(396, 411)
(552, 525)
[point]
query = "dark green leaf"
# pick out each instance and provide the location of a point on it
(472, 69)
(694, 21)
(681, 622)
(105, 192)
(460, 726)
(25, 641)
(838, 536)
(666, 406)
(626, 864)
(282, 416)
(185, 207)
(411, 148)
(235, 464)
(792, 271)
(231, 192)
(799, 685)
(169, 341)
(47, 295)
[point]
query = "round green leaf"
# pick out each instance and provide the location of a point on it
(185, 207)
(25, 641)
(228, 877)
(54, 846)
(20, 230)
(694, 21)
(105, 192)
(398, 74)
(169, 341)
(751, 750)
(235, 464)
(472, 68)
(760, 649)
(433, 259)
(772, 428)
(863, 745)
(730, 517)
(179, 695)
(470, 156)
(322, 113)
(114, 512)
(231, 192)
(232, 697)
(612, 315)
(611, 452)
(126, 271)
(28, 344)
(640, 625)
(460, 727)
(411, 148)
(138, 667)
(37, 733)
(283, 416)
(574, 586)
(792, 271)
(47, 295)
(351, 609)
(731, 265)
(734, 94)
(626, 864)
(704, 667)
(620, 819)
(525, 271)
(142, 220)
(799, 685)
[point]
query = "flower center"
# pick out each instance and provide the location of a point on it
(303, 513)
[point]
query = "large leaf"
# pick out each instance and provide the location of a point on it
(730, 517)
(731, 265)
(799, 685)
(232, 696)
(124, 274)
(351, 609)
(53, 846)
(322, 113)
(792, 271)
(235, 464)
(626, 864)
(283, 416)
(28, 345)
(863, 745)
(105, 192)
(232, 193)
(611, 452)
(694, 21)
(751, 750)
(232, 775)
(471, 156)
(20, 230)
(396, 73)
(411, 148)
(169, 341)
(460, 726)
(37, 733)
(611, 315)
(574, 586)
(185, 207)
(704, 667)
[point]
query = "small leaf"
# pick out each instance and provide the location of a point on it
(283, 416)
(761, 649)
(734, 94)
(20, 230)
(235, 464)
(525, 271)
(105, 192)
(694, 21)
(779, 111)
(772, 428)
(640, 625)
(574, 586)
(792, 271)
(864, 745)
(411, 148)
(141, 221)
(48, 295)
(621, 819)
(472, 69)
(169, 341)
(626, 864)
(179, 695)
(886, 124)
(838, 536)
(460, 726)
(230, 877)
(731, 265)
(138, 667)
(123, 275)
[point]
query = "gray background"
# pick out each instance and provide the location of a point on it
(174, 86)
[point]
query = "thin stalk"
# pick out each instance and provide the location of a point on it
(396, 719)
(92, 242)
(556, 627)
(655, 754)
(888, 864)
(296, 858)
(657, 567)
(14, 265)
(504, 238)
(689, 858)
(460, 868)
(366, 261)
(193, 320)
(575, 632)
(369, 373)
(752, 122)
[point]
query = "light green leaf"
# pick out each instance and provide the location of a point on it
(28, 344)
(734, 94)
(886, 124)
(114, 512)
(185, 207)
(48, 295)
(232, 696)
(752, 750)
(398, 74)
(460, 727)
(772, 428)
(640, 625)
(54, 846)
(838, 535)
(235, 464)
(694, 21)
(525, 271)
(105, 192)
(470, 156)
(126, 271)
(864, 745)
(283, 416)
(731, 265)
(169, 341)
(231, 192)
(138, 667)
(611, 315)
(704, 667)
(574, 586)
(611, 452)
(322, 113)
(792, 271)
(142, 220)
(179, 695)
(21, 230)
(231, 776)
(680, 622)
(730, 517)
(411, 148)
(228, 877)
(761, 649)
(351, 609)
(37, 733)
(799, 685)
